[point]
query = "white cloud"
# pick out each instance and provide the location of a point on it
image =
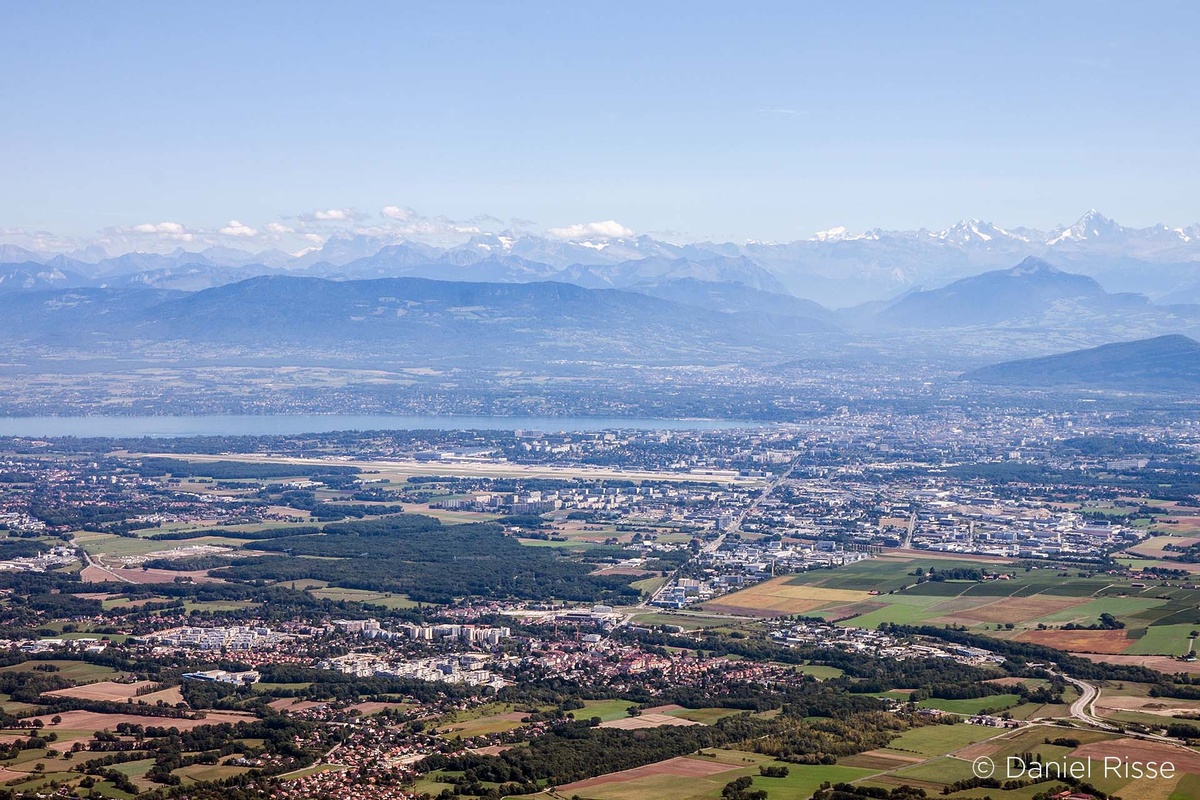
(609, 229)
(173, 231)
(315, 238)
(165, 228)
(40, 241)
(235, 228)
(278, 228)
(333, 215)
(397, 213)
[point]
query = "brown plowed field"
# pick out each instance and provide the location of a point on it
(1084, 641)
(1164, 664)
(679, 767)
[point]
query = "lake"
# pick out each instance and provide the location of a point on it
(252, 425)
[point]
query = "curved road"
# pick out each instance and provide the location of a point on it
(1081, 708)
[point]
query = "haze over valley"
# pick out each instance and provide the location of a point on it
(419, 327)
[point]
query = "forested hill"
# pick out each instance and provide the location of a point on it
(1165, 363)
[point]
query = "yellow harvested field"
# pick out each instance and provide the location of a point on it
(646, 721)
(1155, 546)
(780, 596)
(1160, 706)
(1180, 526)
(102, 690)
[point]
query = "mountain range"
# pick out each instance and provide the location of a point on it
(284, 319)
(1030, 309)
(1164, 363)
(1029, 291)
(835, 268)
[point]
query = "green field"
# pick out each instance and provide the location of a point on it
(880, 574)
(1089, 612)
(936, 740)
(819, 671)
(1188, 788)
(973, 705)
(1167, 640)
(209, 772)
(77, 671)
(990, 605)
(648, 586)
(385, 599)
(705, 715)
(604, 709)
(800, 783)
(937, 770)
(491, 718)
(687, 620)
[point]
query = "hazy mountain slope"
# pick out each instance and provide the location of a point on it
(1164, 363)
(36, 276)
(654, 270)
(467, 323)
(76, 317)
(189, 277)
(1027, 291)
(734, 298)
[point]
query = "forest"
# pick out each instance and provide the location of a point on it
(418, 556)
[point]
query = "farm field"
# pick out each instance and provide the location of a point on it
(1029, 605)
(494, 718)
(782, 596)
(688, 620)
(702, 778)
(946, 765)
(1154, 547)
(604, 709)
(1162, 664)
(648, 720)
(88, 722)
(385, 599)
(1164, 639)
(935, 740)
(973, 705)
(103, 690)
(77, 671)
(209, 772)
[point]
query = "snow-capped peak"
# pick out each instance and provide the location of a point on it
(492, 241)
(841, 234)
(969, 231)
(1092, 225)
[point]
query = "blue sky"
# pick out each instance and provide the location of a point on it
(719, 120)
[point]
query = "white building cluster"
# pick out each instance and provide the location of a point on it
(473, 634)
(464, 668)
(236, 637)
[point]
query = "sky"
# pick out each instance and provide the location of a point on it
(244, 123)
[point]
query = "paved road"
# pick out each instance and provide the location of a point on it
(87, 562)
(1081, 708)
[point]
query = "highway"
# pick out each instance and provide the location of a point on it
(87, 562)
(1081, 710)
